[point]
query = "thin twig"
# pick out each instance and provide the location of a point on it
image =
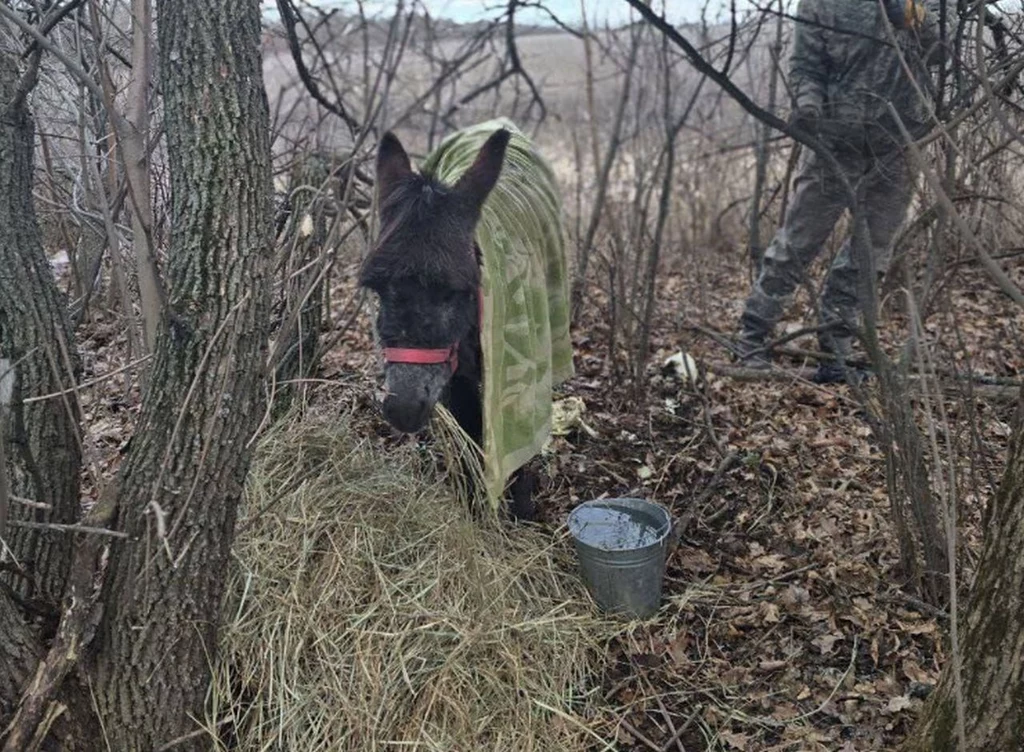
(29, 502)
(289, 21)
(636, 734)
(996, 272)
(606, 746)
(682, 729)
(73, 68)
(192, 735)
(90, 382)
(671, 726)
(62, 528)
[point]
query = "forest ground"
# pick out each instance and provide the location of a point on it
(784, 626)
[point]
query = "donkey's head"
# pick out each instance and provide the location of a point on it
(425, 271)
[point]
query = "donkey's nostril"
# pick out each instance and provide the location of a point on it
(408, 416)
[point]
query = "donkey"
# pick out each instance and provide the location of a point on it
(425, 270)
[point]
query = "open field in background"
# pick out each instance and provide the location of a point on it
(556, 61)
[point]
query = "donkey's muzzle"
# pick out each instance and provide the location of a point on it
(407, 416)
(412, 391)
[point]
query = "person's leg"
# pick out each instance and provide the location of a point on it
(887, 190)
(814, 209)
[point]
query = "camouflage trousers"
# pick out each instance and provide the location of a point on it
(885, 185)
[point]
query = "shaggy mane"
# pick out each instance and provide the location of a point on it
(423, 235)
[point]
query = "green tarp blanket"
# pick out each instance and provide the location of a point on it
(525, 329)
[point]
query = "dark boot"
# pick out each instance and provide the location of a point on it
(838, 371)
(749, 350)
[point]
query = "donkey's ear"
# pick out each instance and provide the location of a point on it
(479, 179)
(392, 165)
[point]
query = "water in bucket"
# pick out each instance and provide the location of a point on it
(613, 529)
(621, 544)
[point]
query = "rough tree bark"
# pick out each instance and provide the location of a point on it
(41, 437)
(182, 479)
(20, 651)
(992, 661)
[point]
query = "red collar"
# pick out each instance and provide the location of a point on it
(422, 357)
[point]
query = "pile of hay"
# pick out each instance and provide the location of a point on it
(367, 611)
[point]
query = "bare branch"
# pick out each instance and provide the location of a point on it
(289, 18)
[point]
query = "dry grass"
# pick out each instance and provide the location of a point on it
(457, 450)
(368, 611)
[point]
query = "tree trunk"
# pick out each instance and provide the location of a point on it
(761, 149)
(992, 661)
(182, 479)
(20, 651)
(41, 440)
(134, 142)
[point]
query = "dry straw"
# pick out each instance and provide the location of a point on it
(367, 610)
(458, 452)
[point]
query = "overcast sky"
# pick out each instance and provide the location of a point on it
(599, 11)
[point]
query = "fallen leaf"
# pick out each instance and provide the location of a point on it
(826, 643)
(773, 562)
(913, 671)
(770, 613)
(897, 704)
(734, 740)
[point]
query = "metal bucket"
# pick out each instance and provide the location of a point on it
(621, 545)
